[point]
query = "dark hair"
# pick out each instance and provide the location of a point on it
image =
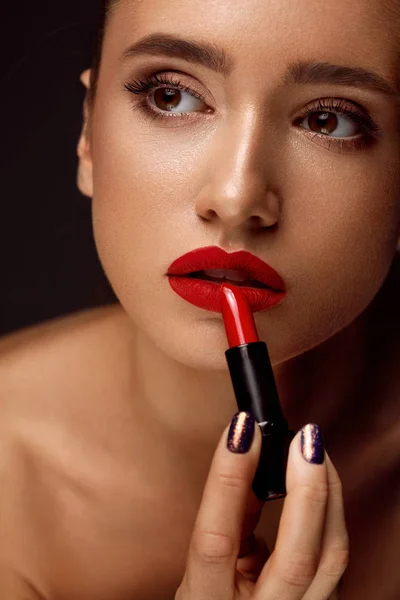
(101, 291)
(106, 7)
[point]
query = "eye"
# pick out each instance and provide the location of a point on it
(175, 100)
(335, 122)
(336, 118)
(330, 124)
(340, 123)
(165, 96)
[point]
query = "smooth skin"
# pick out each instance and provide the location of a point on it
(109, 419)
(311, 552)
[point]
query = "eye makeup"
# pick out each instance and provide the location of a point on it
(144, 88)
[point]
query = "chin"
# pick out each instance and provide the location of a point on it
(199, 345)
(196, 338)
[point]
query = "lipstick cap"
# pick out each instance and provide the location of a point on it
(269, 482)
(255, 390)
(253, 381)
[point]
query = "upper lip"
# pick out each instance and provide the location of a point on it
(214, 257)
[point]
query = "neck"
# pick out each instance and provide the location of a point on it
(320, 385)
(193, 407)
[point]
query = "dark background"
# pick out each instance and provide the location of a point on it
(48, 260)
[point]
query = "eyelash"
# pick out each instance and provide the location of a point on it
(370, 131)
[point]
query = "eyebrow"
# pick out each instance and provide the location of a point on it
(324, 72)
(205, 54)
(216, 59)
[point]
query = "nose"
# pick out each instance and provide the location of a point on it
(238, 192)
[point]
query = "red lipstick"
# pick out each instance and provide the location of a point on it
(191, 277)
(255, 390)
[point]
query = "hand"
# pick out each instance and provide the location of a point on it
(226, 562)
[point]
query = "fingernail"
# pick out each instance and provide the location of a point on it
(312, 444)
(241, 432)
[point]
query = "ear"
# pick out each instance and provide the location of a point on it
(85, 165)
(85, 78)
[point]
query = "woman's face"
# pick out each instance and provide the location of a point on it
(269, 157)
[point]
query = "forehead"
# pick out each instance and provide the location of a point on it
(362, 32)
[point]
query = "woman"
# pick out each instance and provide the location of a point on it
(269, 128)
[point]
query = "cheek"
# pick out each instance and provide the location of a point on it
(139, 162)
(145, 181)
(143, 213)
(342, 209)
(339, 235)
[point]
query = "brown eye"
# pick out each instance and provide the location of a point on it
(166, 99)
(330, 123)
(323, 122)
(175, 100)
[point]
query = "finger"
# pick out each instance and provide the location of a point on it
(335, 544)
(214, 546)
(253, 513)
(334, 595)
(251, 564)
(293, 564)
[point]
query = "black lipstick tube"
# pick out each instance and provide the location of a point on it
(255, 390)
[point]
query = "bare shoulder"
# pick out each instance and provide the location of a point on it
(63, 456)
(56, 358)
(73, 331)
(59, 382)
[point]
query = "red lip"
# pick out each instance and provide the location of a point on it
(207, 294)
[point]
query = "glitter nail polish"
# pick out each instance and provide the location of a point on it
(312, 445)
(241, 432)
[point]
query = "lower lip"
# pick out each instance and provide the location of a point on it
(207, 295)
